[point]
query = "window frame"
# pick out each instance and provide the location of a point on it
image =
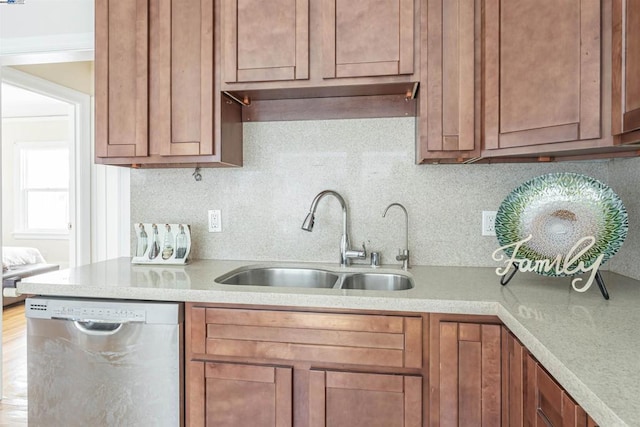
(21, 230)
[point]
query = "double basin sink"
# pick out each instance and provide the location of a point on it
(316, 278)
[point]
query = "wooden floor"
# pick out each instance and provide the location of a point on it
(13, 408)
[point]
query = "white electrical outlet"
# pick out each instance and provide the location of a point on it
(489, 223)
(215, 221)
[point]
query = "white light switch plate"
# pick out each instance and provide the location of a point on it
(215, 221)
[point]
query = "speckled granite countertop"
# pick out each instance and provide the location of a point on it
(591, 346)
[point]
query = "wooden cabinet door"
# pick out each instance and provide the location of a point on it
(541, 72)
(548, 405)
(121, 69)
(626, 67)
(531, 397)
(465, 379)
(513, 380)
(362, 399)
(367, 37)
(265, 40)
(448, 106)
(157, 90)
(182, 77)
(247, 395)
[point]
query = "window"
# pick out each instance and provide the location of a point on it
(42, 194)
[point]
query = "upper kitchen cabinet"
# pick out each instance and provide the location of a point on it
(327, 48)
(626, 70)
(542, 74)
(121, 78)
(363, 38)
(449, 98)
(265, 41)
(528, 80)
(157, 96)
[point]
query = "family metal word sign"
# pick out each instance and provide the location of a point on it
(568, 264)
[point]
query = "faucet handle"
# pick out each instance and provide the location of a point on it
(403, 256)
(351, 253)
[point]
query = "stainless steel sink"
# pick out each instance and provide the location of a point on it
(377, 282)
(280, 276)
(301, 277)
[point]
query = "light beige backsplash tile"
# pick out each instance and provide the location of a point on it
(370, 162)
(624, 175)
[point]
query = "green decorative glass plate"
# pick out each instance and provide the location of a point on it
(558, 210)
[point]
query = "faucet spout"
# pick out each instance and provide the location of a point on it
(345, 253)
(309, 221)
(404, 253)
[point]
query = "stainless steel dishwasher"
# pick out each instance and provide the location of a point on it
(104, 362)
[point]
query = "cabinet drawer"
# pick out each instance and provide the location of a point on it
(372, 340)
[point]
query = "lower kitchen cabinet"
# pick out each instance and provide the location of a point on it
(364, 399)
(278, 367)
(236, 394)
(513, 380)
(464, 372)
(247, 395)
(531, 396)
(271, 367)
(547, 404)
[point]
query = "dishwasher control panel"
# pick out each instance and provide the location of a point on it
(84, 311)
(104, 311)
(98, 313)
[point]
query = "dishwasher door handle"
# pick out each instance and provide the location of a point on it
(103, 328)
(96, 326)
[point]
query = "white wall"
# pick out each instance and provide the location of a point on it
(370, 162)
(46, 26)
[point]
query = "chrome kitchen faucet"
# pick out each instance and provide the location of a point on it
(346, 254)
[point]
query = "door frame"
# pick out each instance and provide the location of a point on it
(80, 151)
